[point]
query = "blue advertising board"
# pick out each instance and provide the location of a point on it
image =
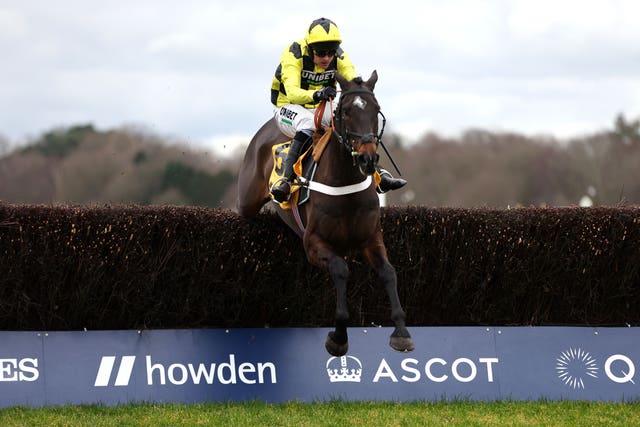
(291, 364)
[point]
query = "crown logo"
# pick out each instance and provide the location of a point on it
(348, 369)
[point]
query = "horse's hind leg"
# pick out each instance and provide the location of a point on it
(376, 255)
(321, 255)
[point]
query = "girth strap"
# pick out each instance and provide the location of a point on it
(336, 191)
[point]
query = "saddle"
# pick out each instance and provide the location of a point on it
(304, 167)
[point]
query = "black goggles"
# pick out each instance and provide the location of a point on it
(325, 52)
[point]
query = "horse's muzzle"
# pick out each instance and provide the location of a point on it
(367, 163)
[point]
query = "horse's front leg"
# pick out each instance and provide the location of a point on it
(320, 254)
(376, 254)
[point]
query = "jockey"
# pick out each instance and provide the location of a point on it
(306, 76)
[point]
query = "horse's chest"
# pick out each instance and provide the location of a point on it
(347, 228)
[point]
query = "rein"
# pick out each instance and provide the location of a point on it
(319, 114)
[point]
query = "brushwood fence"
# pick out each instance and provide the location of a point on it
(122, 267)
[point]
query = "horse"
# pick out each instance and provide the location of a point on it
(335, 224)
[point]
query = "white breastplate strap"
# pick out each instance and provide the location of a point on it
(336, 191)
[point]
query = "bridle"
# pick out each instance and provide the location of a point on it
(345, 136)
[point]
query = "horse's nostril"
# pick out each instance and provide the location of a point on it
(367, 163)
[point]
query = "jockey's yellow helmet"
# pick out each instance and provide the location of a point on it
(323, 30)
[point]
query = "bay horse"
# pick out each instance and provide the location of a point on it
(335, 224)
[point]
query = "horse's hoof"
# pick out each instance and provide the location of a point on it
(334, 348)
(402, 344)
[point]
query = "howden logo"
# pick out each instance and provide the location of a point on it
(106, 368)
(223, 373)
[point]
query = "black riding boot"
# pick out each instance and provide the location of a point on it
(388, 182)
(281, 191)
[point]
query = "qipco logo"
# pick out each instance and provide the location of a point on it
(577, 368)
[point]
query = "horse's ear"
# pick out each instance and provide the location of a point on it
(343, 82)
(371, 83)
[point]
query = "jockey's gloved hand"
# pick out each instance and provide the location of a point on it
(325, 93)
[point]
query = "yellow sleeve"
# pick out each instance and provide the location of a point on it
(291, 75)
(346, 68)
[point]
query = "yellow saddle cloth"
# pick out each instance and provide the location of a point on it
(279, 152)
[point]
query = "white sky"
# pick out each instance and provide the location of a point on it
(200, 71)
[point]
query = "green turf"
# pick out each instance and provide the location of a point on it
(331, 414)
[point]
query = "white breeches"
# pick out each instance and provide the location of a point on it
(292, 118)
